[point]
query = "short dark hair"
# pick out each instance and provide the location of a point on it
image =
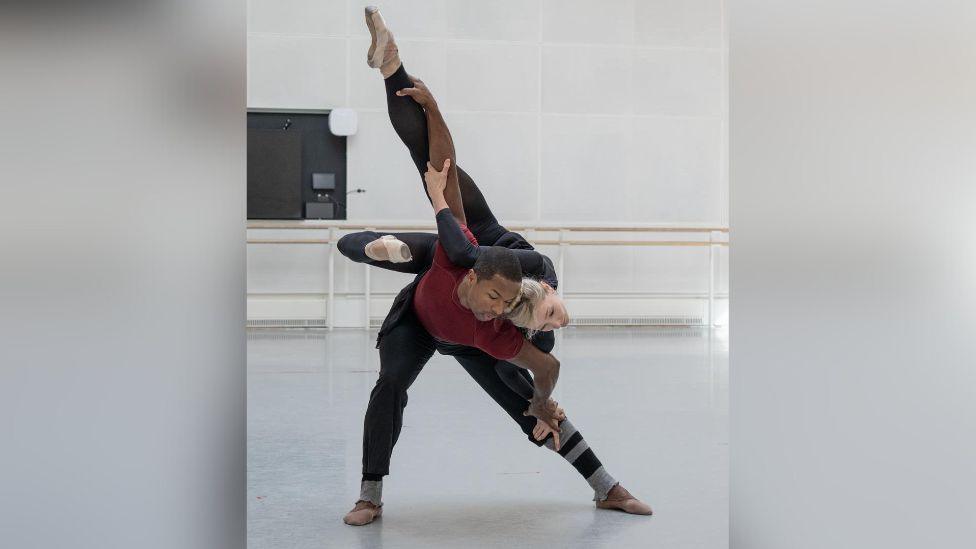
(496, 260)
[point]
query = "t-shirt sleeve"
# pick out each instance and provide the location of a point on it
(500, 339)
(440, 254)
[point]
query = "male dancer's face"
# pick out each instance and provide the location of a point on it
(489, 298)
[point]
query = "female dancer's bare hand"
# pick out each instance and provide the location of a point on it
(436, 181)
(549, 414)
(542, 430)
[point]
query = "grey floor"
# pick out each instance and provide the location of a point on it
(652, 403)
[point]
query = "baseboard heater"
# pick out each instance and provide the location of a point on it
(288, 323)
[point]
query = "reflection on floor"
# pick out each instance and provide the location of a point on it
(651, 402)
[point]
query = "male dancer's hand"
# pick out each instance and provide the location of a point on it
(549, 414)
(560, 413)
(541, 430)
(420, 93)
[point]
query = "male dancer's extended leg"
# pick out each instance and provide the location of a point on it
(403, 353)
(574, 448)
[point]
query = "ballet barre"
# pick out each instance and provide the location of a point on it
(535, 242)
(716, 239)
(395, 227)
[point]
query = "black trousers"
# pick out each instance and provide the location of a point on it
(404, 352)
(408, 346)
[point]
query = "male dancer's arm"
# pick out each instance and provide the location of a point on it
(441, 145)
(545, 372)
(461, 251)
(441, 150)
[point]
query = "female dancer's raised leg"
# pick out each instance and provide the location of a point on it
(410, 123)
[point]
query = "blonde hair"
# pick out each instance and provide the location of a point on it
(522, 311)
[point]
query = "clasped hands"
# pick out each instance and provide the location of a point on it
(547, 417)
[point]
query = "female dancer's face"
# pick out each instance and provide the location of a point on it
(550, 314)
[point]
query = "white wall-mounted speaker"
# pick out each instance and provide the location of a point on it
(343, 121)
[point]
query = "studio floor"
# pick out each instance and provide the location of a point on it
(651, 402)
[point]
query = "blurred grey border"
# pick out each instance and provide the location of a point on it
(122, 280)
(122, 310)
(853, 273)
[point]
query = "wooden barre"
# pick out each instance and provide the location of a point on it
(377, 228)
(432, 228)
(537, 242)
(631, 229)
(288, 241)
(629, 242)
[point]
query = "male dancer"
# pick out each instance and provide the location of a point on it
(405, 340)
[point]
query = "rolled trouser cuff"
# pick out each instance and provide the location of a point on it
(371, 491)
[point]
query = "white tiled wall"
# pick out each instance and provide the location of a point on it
(483, 76)
(563, 111)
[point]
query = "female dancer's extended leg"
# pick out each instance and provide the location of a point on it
(421, 245)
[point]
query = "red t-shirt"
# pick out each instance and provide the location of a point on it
(436, 303)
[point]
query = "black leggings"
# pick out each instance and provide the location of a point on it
(404, 351)
(410, 123)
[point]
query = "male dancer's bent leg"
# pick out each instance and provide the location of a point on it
(403, 353)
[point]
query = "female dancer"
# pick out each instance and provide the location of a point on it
(508, 385)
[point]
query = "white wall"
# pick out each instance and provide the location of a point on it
(563, 111)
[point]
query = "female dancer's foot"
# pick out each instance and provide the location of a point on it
(619, 498)
(383, 53)
(388, 248)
